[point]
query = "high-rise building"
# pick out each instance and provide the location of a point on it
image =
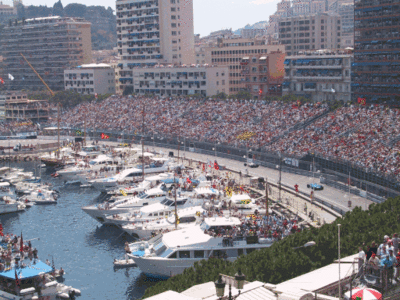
(50, 44)
(152, 32)
(345, 8)
(376, 66)
(232, 52)
(310, 32)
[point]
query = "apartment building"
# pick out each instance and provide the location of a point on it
(2, 107)
(320, 76)
(6, 10)
(181, 81)
(345, 8)
(310, 32)
(231, 52)
(376, 66)
(90, 79)
(152, 32)
(263, 74)
(50, 44)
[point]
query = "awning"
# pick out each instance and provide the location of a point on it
(287, 61)
(246, 58)
(263, 58)
(29, 271)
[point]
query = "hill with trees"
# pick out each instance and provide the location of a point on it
(103, 20)
(282, 262)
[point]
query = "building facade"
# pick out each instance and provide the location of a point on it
(2, 107)
(376, 64)
(152, 32)
(50, 44)
(263, 74)
(319, 76)
(345, 8)
(90, 79)
(253, 32)
(7, 10)
(310, 32)
(181, 81)
(35, 110)
(230, 53)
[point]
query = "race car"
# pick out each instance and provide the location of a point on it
(315, 186)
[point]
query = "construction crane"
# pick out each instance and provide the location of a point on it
(52, 94)
(37, 74)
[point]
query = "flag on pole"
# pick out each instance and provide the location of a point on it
(17, 279)
(10, 76)
(104, 136)
(21, 247)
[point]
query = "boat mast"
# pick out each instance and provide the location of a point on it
(266, 199)
(58, 130)
(176, 213)
(143, 142)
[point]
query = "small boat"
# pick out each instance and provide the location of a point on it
(124, 263)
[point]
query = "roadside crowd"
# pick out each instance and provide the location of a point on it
(366, 136)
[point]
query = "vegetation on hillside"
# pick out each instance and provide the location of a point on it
(282, 262)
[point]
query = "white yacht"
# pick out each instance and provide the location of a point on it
(73, 172)
(100, 211)
(159, 165)
(187, 217)
(243, 201)
(9, 205)
(154, 211)
(171, 253)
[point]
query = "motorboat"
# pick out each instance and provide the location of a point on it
(160, 165)
(41, 196)
(186, 217)
(177, 250)
(154, 211)
(124, 191)
(9, 205)
(5, 189)
(72, 172)
(22, 277)
(100, 211)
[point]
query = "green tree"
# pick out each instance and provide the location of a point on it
(58, 9)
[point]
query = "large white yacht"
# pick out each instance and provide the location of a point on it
(72, 172)
(187, 217)
(171, 253)
(154, 211)
(159, 165)
(100, 211)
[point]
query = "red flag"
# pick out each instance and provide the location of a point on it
(204, 167)
(104, 136)
(17, 279)
(188, 180)
(21, 248)
(216, 167)
(1, 80)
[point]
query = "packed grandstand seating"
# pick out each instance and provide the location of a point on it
(366, 135)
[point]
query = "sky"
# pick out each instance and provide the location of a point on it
(209, 15)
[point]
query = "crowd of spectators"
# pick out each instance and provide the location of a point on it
(365, 135)
(10, 128)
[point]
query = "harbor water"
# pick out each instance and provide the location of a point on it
(81, 246)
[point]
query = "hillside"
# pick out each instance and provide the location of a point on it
(258, 25)
(103, 20)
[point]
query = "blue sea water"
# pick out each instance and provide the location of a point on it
(80, 245)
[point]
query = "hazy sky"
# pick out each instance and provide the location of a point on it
(209, 15)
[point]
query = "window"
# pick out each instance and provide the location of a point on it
(173, 17)
(322, 27)
(173, 255)
(198, 254)
(223, 82)
(173, 32)
(173, 9)
(173, 25)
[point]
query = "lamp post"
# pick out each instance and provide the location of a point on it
(340, 292)
(280, 175)
(220, 286)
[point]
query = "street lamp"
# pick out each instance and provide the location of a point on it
(340, 292)
(280, 174)
(220, 286)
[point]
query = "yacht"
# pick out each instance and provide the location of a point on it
(9, 205)
(153, 211)
(160, 165)
(187, 217)
(100, 211)
(32, 275)
(71, 173)
(171, 253)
